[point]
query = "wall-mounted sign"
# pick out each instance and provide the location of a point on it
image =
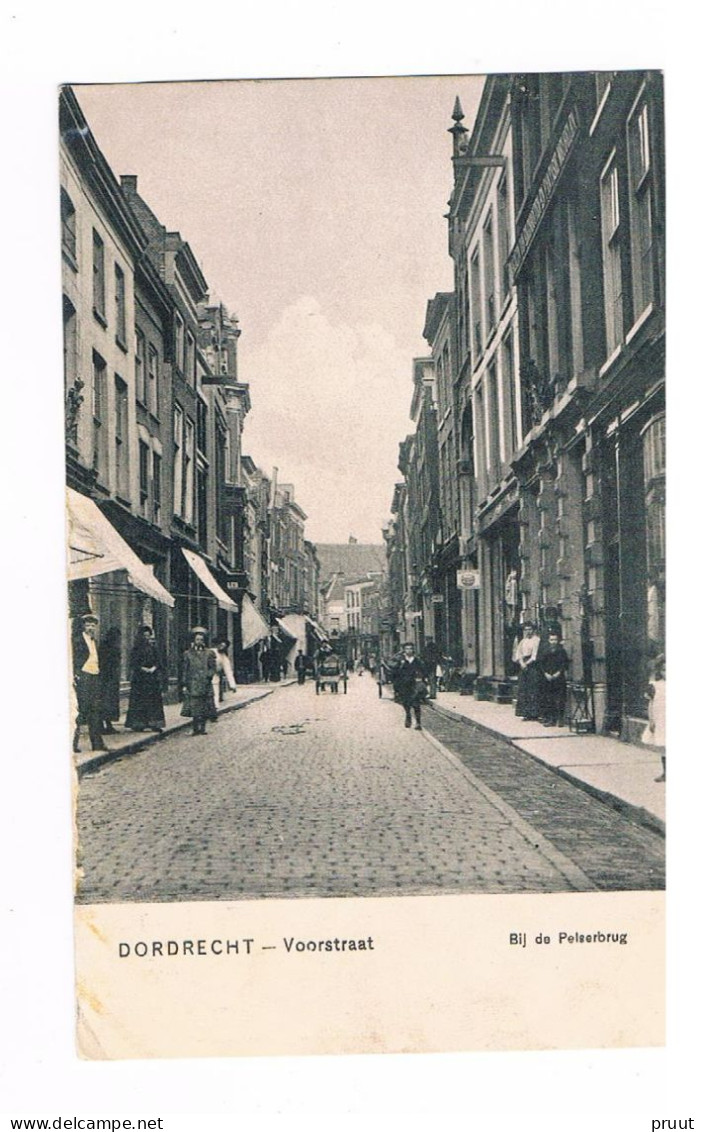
(468, 579)
(545, 192)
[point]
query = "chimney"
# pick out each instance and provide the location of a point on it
(128, 182)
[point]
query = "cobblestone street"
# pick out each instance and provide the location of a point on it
(306, 795)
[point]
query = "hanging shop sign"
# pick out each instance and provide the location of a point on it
(468, 579)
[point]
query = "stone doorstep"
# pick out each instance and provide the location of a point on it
(637, 814)
(147, 739)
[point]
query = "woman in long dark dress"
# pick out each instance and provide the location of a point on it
(526, 653)
(552, 663)
(146, 706)
(110, 656)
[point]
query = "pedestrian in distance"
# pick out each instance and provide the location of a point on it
(86, 679)
(300, 666)
(110, 661)
(146, 670)
(409, 685)
(432, 659)
(655, 732)
(199, 667)
(552, 664)
(225, 673)
(528, 681)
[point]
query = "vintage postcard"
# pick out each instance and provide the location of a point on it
(365, 489)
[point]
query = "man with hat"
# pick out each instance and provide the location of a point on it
(86, 678)
(199, 667)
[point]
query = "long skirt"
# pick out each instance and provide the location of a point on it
(553, 700)
(146, 707)
(527, 703)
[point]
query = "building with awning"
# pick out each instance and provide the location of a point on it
(96, 548)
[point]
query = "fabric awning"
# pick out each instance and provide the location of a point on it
(283, 631)
(201, 569)
(254, 627)
(96, 548)
(317, 629)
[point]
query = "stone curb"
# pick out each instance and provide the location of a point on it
(636, 814)
(148, 740)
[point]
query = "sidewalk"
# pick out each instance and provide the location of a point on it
(125, 742)
(620, 774)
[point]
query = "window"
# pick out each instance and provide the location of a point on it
(68, 226)
(476, 305)
(153, 384)
(143, 477)
(493, 423)
(98, 276)
(99, 410)
(70, 370)
(221, 478)
(201, 410)
(121, 439)
(503, 238)
(140, 376)
(202, 506)
(508, 388)
(189, 453)
(489, 275)
(120, 307)
(156, 487)
(190, 359)
(641, 227)
(612, 269)
(178, 460)
(180, 340)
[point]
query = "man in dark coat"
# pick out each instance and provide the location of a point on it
(199, 667)
(408, 683)
(301, 666)
(86, 679)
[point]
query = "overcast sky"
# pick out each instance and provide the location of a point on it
(316, 211)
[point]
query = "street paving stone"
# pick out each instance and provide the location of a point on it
(615, 852)
(329, 795)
